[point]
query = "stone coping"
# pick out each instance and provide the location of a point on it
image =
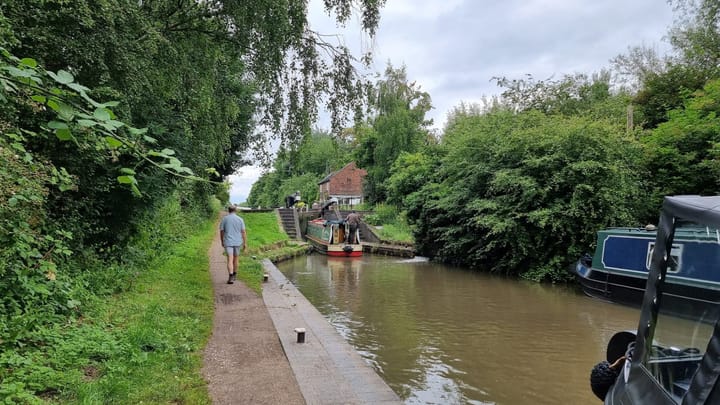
(328, 370)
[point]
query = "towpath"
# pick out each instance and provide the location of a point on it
(253, 356)
(244, 361)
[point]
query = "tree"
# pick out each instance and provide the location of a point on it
(696, 35)
(695, 38)
(398, 125)
(665, 91)
(321, 153)
(569, 95)
(265, 191)
(301, 168)
(682, 153)
(409, 173)
(189, 82)
(634, 67)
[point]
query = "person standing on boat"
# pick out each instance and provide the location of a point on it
(232, 236)
(353, 219)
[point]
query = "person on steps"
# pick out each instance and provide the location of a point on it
(232, 236)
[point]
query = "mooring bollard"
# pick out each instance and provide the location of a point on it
(300, 335)
(265, 278)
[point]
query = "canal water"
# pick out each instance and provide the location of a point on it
(444, 335)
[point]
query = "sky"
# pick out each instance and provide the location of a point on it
(453, 48)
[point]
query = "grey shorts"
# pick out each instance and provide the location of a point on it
(232, 250)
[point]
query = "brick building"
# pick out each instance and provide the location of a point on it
(344, 184)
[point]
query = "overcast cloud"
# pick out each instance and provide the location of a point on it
(453, 48)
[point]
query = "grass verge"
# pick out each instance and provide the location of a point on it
(266, 240)
(395, 233)
(142, 343)
(165, 321)
(141, 346)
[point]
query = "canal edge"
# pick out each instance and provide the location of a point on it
(327, 369)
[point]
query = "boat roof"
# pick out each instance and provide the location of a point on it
(694, 208)
(684, 229)
(327, 221)
(697, 214)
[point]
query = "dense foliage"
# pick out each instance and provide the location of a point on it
(683, 151)
(523, 193)
(398, 125)
(110, 110)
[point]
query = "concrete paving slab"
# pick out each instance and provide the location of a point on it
(328, 370)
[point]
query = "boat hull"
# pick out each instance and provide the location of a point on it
(335, 250)
(619, 269)
(328, 237)
(627, 289)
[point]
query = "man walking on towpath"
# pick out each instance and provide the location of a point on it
(232, 237)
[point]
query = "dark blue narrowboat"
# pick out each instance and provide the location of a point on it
(668, 359)
(619, 268)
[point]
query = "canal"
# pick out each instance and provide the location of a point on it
(443, 335)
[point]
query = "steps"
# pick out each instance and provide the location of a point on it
(289, 222)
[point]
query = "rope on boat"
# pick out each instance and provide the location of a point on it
(604, 374)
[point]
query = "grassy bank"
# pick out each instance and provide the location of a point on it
(139, 345)
(390, 224)
(142, 344)
(163, 323)
(165, 320)
(266, 240)
(395, 233)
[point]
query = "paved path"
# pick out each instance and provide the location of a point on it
(327, 368)
(252, 356)
(244, 362)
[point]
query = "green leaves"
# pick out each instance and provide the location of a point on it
(126, 179)
(515, 192)
(130, 180)
(57, 125)
(29, 62)
(683, 149)
(63, 134)
(102, 114)
(90, 124)
(113, 142)
(62, 76)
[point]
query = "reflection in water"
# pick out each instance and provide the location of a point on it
(441, 335)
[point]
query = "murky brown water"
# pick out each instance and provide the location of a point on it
(443, 335)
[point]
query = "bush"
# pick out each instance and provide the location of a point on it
(526, 192)
(57, 334)
(382, 214)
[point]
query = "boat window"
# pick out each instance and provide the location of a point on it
(676, 351)
(675, 264)
(684, 325)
